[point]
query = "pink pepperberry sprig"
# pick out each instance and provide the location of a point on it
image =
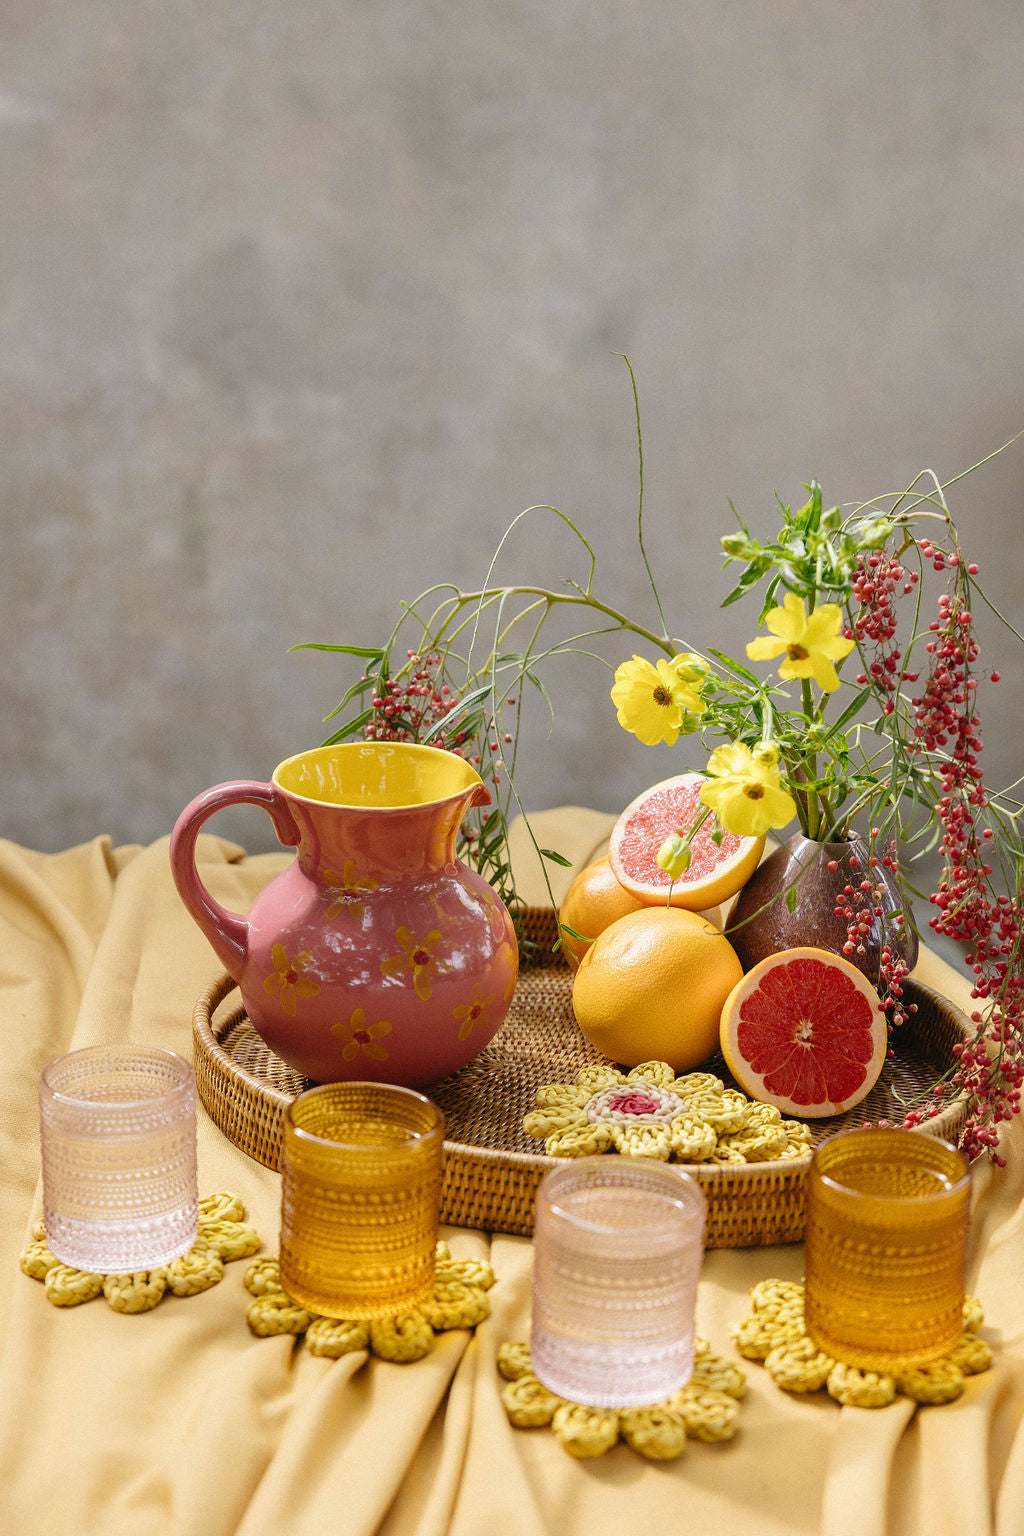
(878, 578)
(947, 729)
(939, 731)
(418, 703)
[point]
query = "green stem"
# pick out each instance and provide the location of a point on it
(810, 795)
(640, 499)
(553, 599)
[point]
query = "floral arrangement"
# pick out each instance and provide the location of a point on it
(867, 719)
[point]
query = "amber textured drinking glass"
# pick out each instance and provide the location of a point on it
(885, 1248)
(361, 1190)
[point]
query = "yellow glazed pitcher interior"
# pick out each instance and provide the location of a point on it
(386, 775)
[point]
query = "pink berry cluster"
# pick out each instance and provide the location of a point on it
(865, 903)
(946, 727)
(406, 707)
(877, 580)
(943, 733)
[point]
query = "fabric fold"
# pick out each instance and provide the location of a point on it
(180, 1422)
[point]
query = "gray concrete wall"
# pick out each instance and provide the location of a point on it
(302, 303)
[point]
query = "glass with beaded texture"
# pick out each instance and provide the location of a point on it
(618, 1247)
(885, 1248)
(360, 1197)
(118, 1140)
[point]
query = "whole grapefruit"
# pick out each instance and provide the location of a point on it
(594, 899)
(652, 985)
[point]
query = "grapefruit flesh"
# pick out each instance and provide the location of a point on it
(804, 1030)
(717, 870)
(652, 985)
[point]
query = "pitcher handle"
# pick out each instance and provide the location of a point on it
(227, 931)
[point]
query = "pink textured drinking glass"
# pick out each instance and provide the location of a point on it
(118, 1133)
(618, 1247)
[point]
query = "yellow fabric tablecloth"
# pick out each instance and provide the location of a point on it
(179, 1423)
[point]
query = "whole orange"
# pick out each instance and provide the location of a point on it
(594, 900)
(652, 985)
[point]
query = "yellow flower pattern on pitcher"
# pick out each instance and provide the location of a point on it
(344, 892)
(417, 958)
(360, 1038)
(470, 1014)
(287, 979)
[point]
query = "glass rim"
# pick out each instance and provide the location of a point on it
(358, 1148)
(935, 1197)
(689, 1195)
(126, 1050)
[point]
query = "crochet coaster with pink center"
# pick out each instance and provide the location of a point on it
(705, 1409)
(650, 1112)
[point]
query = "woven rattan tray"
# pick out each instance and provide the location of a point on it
(492, 1168)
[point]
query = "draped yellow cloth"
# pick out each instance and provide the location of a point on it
(179, 1422)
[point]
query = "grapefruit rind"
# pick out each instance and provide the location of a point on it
(767, 1033)
(715, 873)
(595, 899)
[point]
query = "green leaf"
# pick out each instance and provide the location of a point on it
(809, 516)
(465, 703)
(349, 729)
(352, 693)
(750, 578)
(734, 666)
(769, 598)
(853, 708)
(556, 858)
(372, 652)
(732, 509)
(791, 898)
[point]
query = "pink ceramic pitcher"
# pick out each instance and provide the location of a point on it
(378, 954)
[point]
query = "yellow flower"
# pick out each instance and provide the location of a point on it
(658, 701)
(417, 956)
(345, 893)
(472, 1013)
(811, 642)
(287, 980)
(744, 789)
(358, 1036)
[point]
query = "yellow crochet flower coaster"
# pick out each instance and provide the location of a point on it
(705, 1409)
(222, 1236)
(775, 1334)
(649, 1112)
(459, 1301)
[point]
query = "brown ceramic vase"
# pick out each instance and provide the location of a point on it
(761, 922)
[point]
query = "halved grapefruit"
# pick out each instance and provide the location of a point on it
(804, 1030)
(716, 872)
